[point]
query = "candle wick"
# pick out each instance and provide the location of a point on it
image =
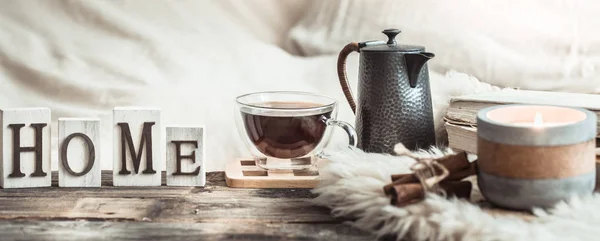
(538, 120)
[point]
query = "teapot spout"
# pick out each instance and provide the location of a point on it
(414, 63)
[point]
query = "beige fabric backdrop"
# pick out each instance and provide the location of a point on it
(191, 58)
(531, 44)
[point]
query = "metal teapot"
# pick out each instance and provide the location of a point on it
(394, 98)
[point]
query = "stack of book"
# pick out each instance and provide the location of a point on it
(461, 117)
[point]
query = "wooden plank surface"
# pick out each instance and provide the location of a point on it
(85, 230)
(211, 212)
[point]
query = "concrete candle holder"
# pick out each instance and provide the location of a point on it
(535, 155)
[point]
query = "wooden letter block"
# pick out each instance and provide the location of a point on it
(136, 147)
(78, 152)
(185, 156)
(25, 147)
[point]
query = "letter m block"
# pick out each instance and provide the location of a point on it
(137, 155)
(25, 148)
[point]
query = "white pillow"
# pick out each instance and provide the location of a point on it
(535, 44)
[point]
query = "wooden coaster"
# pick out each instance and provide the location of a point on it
(244, 173)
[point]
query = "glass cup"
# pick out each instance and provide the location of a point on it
(287, 130)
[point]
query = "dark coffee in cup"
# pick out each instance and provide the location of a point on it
(287, 130)
(283, 135)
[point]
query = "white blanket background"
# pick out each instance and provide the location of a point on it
(192, 58)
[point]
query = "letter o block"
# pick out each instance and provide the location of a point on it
(79, 152)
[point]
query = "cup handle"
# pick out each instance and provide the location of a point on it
(347, 127)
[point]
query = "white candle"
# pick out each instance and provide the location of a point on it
(535, 155)
(538, 122)
(535, 117)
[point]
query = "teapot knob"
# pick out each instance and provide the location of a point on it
(391, 33)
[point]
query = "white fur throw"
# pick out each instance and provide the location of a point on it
(352, 186)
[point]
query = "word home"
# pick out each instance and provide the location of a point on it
(25, 150)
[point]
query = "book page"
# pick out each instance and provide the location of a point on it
(512, 96)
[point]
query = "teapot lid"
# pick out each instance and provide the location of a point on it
(390, 45)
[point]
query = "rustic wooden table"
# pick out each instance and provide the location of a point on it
(214, 212)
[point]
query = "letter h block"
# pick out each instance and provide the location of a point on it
(25, 148)
(137, 151)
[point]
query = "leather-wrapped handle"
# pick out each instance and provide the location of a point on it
(341, 70)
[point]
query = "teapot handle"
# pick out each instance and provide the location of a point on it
(341, 70)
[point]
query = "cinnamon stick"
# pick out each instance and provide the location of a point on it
(404, 194)
(457, 176)
(408, 179)
(462, 174)
(454, 163)
(460, 189)
(396, 177)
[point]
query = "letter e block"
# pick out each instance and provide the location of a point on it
(136, 147)
(79, 152)
(185, 156)
(25, 148)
